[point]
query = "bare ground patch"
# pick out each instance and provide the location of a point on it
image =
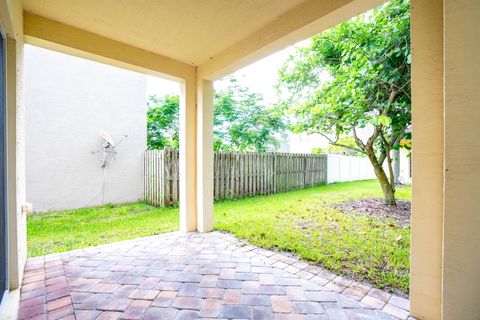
(374, 207)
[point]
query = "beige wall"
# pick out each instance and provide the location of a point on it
(445, 264)
(461, 265)
(68, 100)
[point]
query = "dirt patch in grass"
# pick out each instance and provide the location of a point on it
(375, 207)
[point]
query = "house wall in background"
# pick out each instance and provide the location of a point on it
(68, 101)
(405, 166)
(303, 143)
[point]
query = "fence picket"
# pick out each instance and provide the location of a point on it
(236, 174)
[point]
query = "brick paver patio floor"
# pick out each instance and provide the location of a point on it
(190, 276)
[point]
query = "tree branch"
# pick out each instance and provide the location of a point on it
(334, 142)
(372, 139)
(391, 144)
(357, 139)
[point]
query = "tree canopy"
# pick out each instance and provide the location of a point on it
(162, 122)
(355, 75)
(242, 122)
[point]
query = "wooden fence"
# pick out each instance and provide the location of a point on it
(236, 174)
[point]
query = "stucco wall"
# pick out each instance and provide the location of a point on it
(427, 160)
(461, 262)
(68, 101)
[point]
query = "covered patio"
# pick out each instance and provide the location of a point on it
(196, 43)
(194, 275)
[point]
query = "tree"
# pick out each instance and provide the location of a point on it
(162, 122)
(356, 75)
(241, 121)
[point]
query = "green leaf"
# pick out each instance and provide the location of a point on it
(384, 120)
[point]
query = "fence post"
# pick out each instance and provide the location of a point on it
(304, 170)
(274, 173)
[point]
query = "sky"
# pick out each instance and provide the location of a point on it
(258, 77)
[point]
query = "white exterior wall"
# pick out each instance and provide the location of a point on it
(303, 143)
(68, 101)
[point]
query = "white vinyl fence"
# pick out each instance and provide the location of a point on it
(341, 168)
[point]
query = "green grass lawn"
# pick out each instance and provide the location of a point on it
(73, 229)
(303, 222)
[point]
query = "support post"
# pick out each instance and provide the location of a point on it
(187, 161)
(204, 155)
(17, 217)
(461, 236)
(428, 154)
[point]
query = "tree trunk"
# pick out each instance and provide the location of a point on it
(387, 187)
(388, 193)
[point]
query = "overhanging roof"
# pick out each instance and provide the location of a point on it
(190, 31)
(215, 35)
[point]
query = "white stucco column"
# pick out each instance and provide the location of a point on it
(188, 210)
(204, 155)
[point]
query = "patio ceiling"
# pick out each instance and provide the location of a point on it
(218, 36)
(188, 31)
